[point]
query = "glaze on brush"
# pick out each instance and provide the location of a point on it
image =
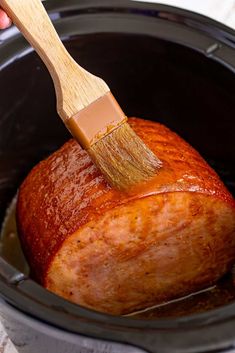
(123, 158)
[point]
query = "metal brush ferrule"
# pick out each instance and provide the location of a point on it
(96, 120)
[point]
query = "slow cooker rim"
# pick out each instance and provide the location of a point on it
(10, 289)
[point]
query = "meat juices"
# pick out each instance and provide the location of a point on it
(120, 252)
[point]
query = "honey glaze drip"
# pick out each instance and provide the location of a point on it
(10, 247)
(210, 298)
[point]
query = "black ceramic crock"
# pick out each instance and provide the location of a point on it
(161, 63)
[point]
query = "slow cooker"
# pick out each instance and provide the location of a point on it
(162, 63)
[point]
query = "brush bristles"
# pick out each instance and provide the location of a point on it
(123, 158)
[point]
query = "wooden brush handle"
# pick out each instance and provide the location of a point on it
(75, 87)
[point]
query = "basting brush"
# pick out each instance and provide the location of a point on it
(85, 103)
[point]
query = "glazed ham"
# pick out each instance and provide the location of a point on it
(120, 252)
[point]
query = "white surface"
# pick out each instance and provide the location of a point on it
(220, 10)
(5, 344)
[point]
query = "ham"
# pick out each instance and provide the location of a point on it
(119, 252)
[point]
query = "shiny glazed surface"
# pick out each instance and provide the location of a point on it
(120, 252)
